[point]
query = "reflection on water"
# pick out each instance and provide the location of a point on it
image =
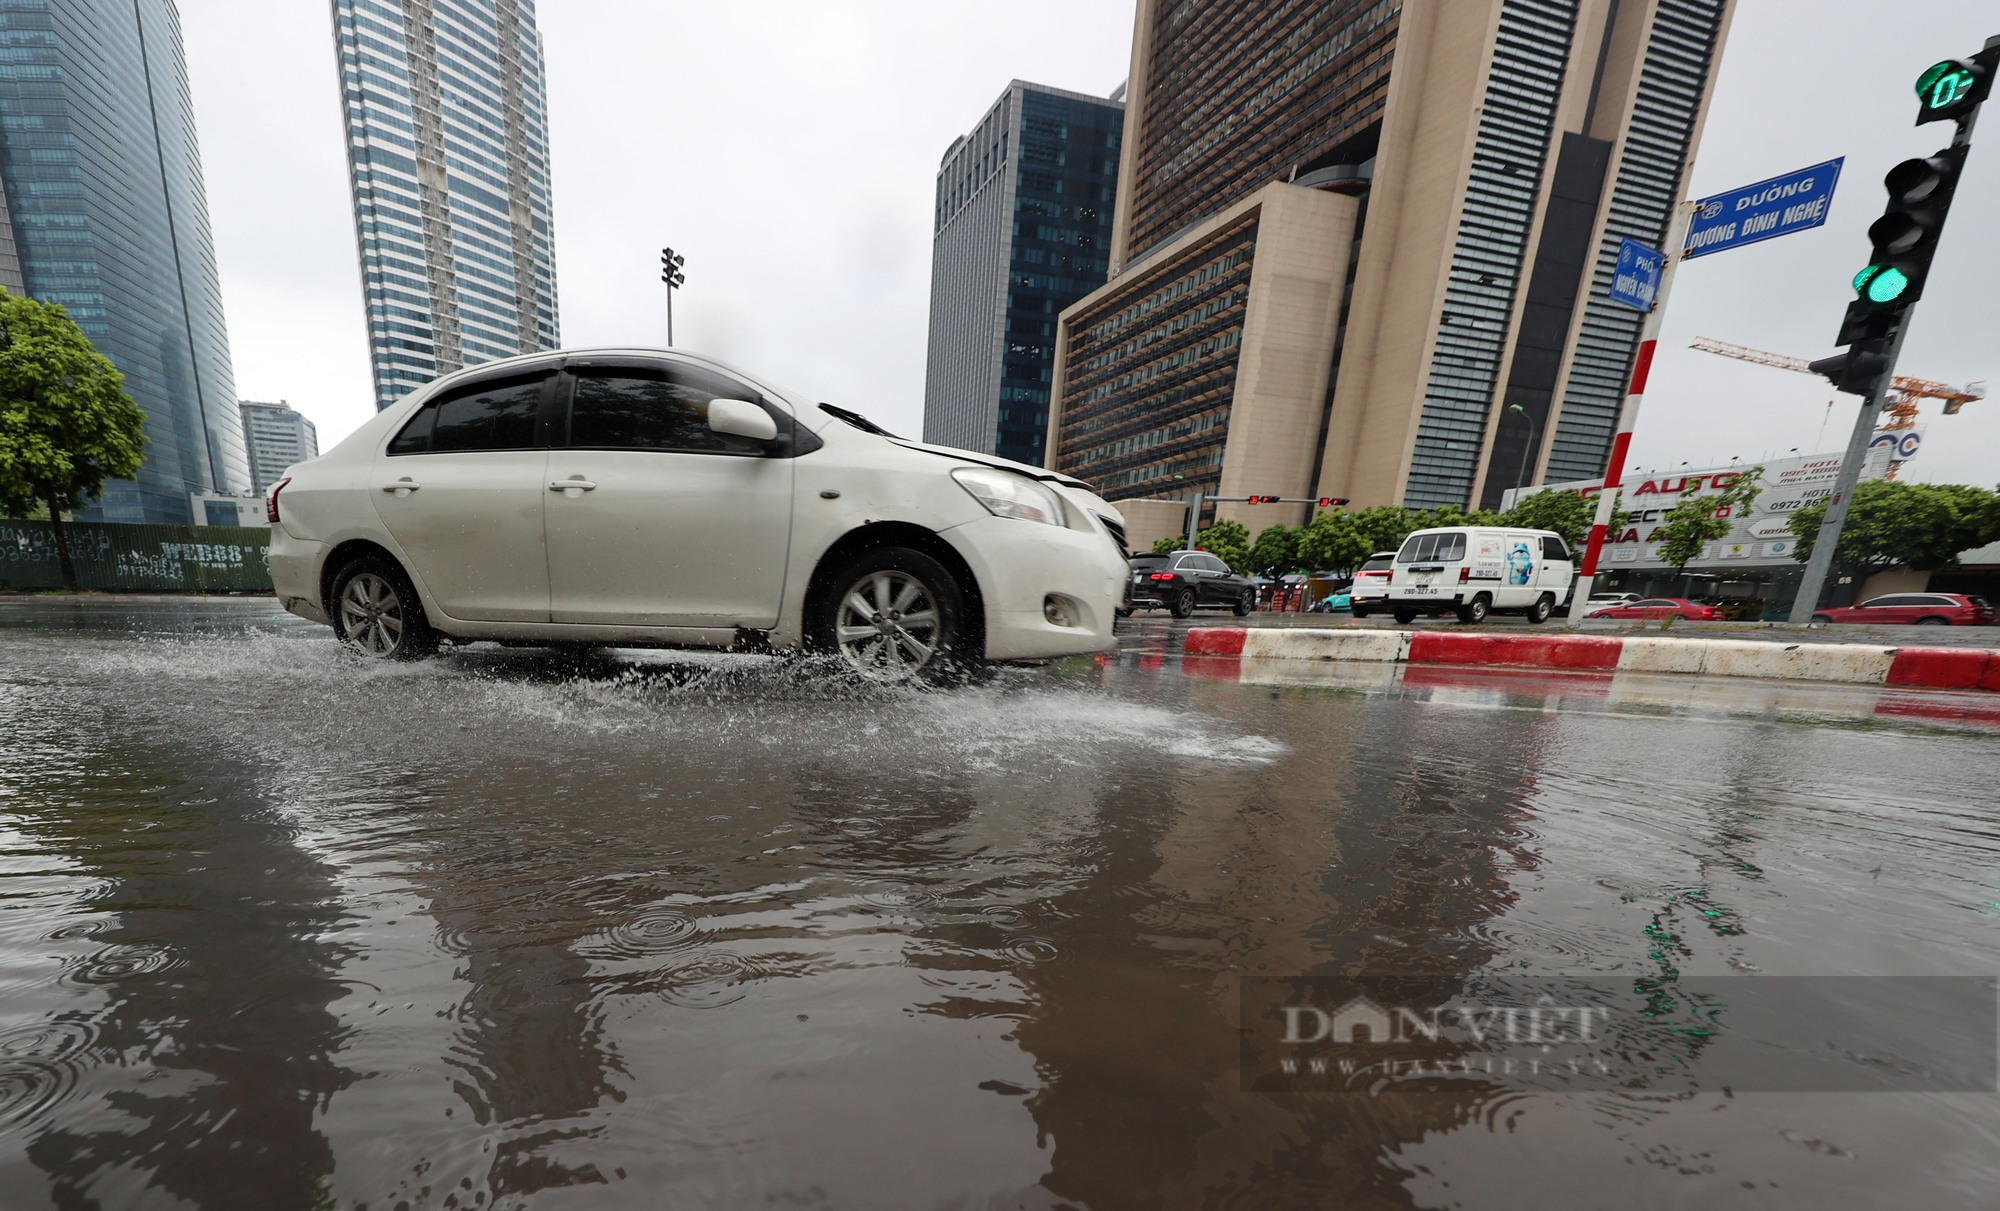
(278, 928)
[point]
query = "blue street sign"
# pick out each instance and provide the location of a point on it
(1637, 282)
(1763, 211)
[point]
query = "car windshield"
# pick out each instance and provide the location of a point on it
(856, 419)
(1381, 563)
(1425, 548)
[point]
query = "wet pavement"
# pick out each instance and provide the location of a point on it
(281, 928)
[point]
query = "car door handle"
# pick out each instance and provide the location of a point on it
(562, 485)
(406, 484)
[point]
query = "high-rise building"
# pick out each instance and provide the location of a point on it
(102, 209)
(1021, 230)
(1362, 247)
(448, 150)
(277, 436)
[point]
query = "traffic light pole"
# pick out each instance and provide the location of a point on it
(1197, 499)
(1821, 560)
(1628, 416)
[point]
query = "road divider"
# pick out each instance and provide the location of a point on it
(1844, 663)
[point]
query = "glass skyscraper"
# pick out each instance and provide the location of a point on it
(102, 209)
(1021, 230)
(448, 150)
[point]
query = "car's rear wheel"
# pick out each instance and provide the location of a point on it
(1475, 611)
(1184, 603)
(1544, 606)
(1245, 603)
(895, 614)
(376, 611)
(1359, 612)
(1933, 622)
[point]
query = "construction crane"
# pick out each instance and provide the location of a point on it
(1904, 391)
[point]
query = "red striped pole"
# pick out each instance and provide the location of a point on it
(1628, 414)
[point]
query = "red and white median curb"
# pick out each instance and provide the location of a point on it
(1846, 663)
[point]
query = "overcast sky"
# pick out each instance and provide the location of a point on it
(788, 149)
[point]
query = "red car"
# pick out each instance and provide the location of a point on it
(1916, 609)
(1661, 607)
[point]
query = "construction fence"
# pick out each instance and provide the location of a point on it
(137, 559)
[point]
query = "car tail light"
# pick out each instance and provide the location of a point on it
(271, 501)
(1388, 577)
(1162, 576)
(1464, 574)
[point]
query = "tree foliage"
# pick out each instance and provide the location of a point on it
(1276, 550)
(1564, 512)
(1167, 545)
(1228, 541)
(1699, 520)
(1335, 542)
(1896, 524)
(66, 424)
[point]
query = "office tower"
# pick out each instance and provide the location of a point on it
(102, 209)
(277, 436)
(1362, 247)
(1021, 229)
(448, 151)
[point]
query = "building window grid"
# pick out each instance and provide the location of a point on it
(1515, 127)
(1648, 184)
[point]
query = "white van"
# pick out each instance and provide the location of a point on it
(1477, 570)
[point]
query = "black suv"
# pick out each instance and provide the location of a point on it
(1184, 581)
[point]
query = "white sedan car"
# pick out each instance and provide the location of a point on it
(646, 498)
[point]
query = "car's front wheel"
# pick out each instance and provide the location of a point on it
(895, 614)
(1245, 603)
(376, 611)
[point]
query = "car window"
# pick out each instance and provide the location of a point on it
(1896, 599)
(496, 415)
(1216, 565)
(1429, 548)
(1380, 563)
(1553, 548)
(1150, 562)
(665, 409)
(1934, 599)
(1654, 602)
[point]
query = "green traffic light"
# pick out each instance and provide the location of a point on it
(1881, 283)
(1944, 84)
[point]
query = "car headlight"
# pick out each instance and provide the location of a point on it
(1006, 494)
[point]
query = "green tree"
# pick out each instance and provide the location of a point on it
(1896, 524)
(1167, 545)
(1228, 541)
(1699, 520)
(1384, 527)
(1567, 513)
(1276, 550)
(66, 424)
(1335, 541)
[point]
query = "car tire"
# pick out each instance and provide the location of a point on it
(1244, 604)
(1184, 604)
(1544, 606)
(1933, 622)
(376, 611)
(1358, 612)
(1406, 617)
(895, 585)
(1822, 619)
(1122, 611)
(1474, 612)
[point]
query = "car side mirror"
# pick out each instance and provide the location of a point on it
(741, 418)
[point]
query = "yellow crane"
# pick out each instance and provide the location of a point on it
(1904, 390)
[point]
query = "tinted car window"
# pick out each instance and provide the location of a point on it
(1380, 563)
(646, 409)
(1897, 599)
(1428, 548)
(489, 416)
(1150, 563)
(498, 415)
(1553, 548)
(1214, 565)
(1653, 603)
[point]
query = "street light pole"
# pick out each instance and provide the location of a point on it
(1521, 476)
(670, 273)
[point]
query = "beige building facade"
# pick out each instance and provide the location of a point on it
(1413, 309)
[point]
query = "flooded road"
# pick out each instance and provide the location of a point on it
(280, 928)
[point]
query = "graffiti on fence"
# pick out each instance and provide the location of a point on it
(120, 557)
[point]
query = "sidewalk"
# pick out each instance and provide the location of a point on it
(1708, 655)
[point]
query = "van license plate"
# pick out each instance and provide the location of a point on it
(1422, 590)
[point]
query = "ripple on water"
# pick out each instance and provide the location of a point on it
(125, 961)
(709, 981)
(39, 1066)
(654, 931)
